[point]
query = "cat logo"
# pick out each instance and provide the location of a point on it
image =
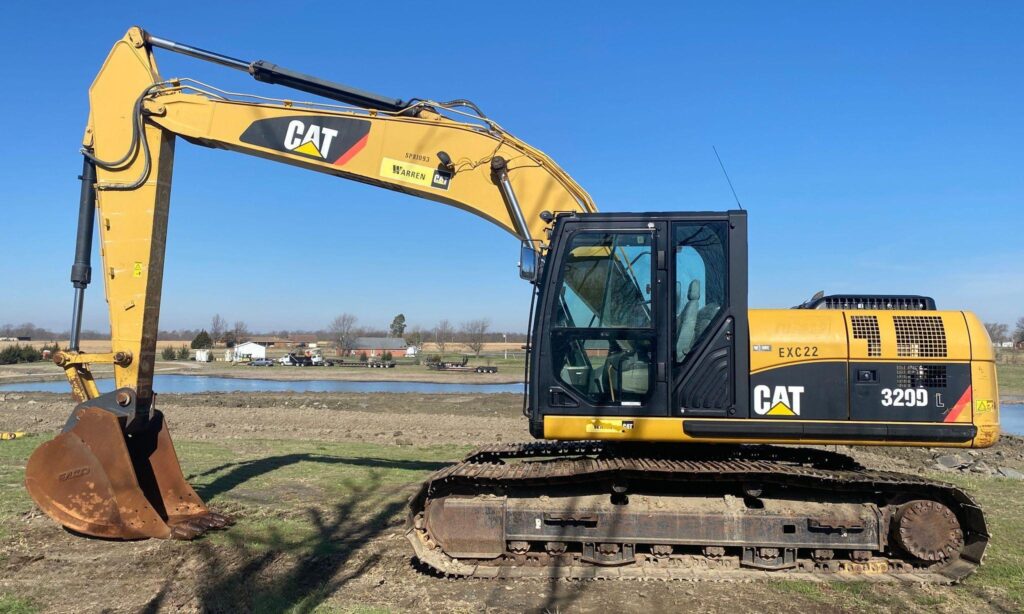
(312, 141)
(334, 139)
(777, 400)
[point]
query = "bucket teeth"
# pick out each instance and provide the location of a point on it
(94, 480)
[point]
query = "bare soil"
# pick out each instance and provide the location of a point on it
(312, 539)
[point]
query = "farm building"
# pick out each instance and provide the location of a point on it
(375, 346)
(267, 342)
(301, 341)
(250, 350)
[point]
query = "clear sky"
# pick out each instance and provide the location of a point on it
(877, 146)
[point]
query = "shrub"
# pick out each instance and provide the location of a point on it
(9, 355)
(14, 354)
(168, 353)
(30, 354)
(386, 357)
(183, 352)
(363, 357)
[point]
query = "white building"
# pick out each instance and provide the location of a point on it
(250, 351)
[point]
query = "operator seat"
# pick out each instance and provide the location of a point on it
(687, 319)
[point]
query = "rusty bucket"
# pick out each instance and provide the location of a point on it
(98, 479)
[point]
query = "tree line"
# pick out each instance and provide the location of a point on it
(345, 329)
(1000, 333)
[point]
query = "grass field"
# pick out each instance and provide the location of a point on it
(320, 526)
(1011, 380)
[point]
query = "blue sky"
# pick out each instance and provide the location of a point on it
(877, 146)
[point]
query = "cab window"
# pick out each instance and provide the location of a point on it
(701, 271)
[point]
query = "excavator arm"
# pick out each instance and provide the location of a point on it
(447, 152)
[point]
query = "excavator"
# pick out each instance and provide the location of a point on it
(681, 434)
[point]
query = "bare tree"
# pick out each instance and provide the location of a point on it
(998, 333)
(475, 333)
(240, 331)
(218, 326)
(443, 333)
(343, 332)
(416, 336)
(1018, 333)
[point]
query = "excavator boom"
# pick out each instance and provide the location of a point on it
(113, 471)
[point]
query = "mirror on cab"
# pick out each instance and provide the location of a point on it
(528, 261)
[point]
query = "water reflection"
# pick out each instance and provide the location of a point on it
(186, 384)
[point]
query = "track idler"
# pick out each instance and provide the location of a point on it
(113, 473)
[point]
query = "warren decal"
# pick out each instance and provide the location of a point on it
(416, 174)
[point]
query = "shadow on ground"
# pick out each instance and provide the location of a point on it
(295, 565)
(241, 472)
(280, 569)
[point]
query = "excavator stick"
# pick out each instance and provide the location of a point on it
(115, 475)
(113, 471)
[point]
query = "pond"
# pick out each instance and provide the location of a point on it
(1011, 419)
(185, 384)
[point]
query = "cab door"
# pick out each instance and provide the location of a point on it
(601, 325)
(709, 354)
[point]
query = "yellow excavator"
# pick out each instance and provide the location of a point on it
(657, 390)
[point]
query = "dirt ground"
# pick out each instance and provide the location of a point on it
(319, 484)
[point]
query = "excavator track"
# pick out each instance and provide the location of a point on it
(590, 510)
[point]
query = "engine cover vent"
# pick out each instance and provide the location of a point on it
(920, 336)
(866, 327)
(872, 301)
(921, 376)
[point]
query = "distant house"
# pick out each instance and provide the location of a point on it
(250, 350)
(375, 346)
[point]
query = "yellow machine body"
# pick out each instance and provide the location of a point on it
(790, 347)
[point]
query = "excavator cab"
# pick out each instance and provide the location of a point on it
(640, 315)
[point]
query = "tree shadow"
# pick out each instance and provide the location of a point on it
(240, 472)
(278, 570)
(562, 593)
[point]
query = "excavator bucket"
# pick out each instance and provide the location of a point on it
(97, 479)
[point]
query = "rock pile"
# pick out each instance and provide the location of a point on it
(968, 462)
